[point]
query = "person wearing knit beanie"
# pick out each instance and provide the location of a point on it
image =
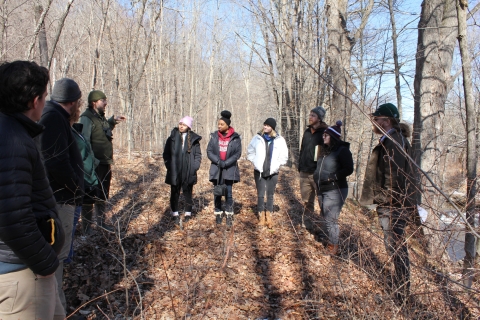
(267, 151)
(334, 165)
(65, 90)
(223, 150)
(182, 157)
(312, 142)
(98, 131)
(335, 131)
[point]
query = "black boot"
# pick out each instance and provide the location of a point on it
(100, 210)
(87, 212)
(218, 218)
(187, 218)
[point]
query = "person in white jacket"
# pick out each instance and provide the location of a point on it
(267, 151)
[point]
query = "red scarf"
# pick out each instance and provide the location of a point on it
(223, 142)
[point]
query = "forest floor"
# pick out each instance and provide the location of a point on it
(152, 270)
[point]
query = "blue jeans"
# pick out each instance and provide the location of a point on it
(331, 203)
(229, 198)
(76, 217)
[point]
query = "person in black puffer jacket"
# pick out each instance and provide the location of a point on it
(223, 150)
(334, 165)
(182, 157)
(28, 253)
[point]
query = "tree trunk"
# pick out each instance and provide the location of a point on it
(42, 37)
(436, 43)
(395, 58)
(470, 250)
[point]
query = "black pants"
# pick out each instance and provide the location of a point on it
(228, 198)
(393, 225)
(175, 195)
(263, 185)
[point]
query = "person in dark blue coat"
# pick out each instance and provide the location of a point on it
(182, 157)
(224, 149)
(28, 252)
(334, 165)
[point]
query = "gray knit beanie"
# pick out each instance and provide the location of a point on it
(320, 112)
(66, 90)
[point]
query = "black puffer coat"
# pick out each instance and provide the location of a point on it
(63, 160)
(334, 168)
(172, 156)
(306, 161)
(234, 151)
(25, 197)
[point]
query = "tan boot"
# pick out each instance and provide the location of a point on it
(261, 218)
(332, 249)
(268, 216)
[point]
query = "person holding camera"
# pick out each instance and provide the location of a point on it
(267, 151)
(223, 150)
(97, 131)
(182, 157)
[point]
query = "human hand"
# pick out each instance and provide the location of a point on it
(221, 164)
(120, 118)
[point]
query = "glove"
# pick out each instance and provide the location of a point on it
(221, 164)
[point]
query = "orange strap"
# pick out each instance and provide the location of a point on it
(52, 222)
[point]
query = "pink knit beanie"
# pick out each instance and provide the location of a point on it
(187, 120)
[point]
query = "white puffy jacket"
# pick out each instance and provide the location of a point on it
(256, 153)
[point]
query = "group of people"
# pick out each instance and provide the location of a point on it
(55, 165)
(324, 164)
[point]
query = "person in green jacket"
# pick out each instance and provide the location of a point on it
(98, 132)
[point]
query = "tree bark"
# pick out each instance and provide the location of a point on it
(470, 249)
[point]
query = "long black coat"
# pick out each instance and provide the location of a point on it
(234, 151)
(172, 156)
(63, 160)
(25, 196)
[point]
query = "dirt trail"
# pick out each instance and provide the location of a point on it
(282, 273)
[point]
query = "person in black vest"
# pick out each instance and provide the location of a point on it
(182, 157)
(63, 160)
(28, 253)
(307, 162)
(97, 130)
(334, 165)
(223, 150)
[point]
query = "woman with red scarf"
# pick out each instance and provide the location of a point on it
(223, 150)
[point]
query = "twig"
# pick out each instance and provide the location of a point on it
(229, 245)
(102, 312)
(168, 283)
(103, 295)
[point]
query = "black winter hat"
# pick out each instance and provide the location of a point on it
(335, 131)
(271, 122)
(66, 90)
(225, 115)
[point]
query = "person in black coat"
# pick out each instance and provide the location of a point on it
(182, 157)
(334, 165)
(63, 160)
(223, 150)
(28, 253)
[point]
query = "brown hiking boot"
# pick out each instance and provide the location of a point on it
(332, 249)
(268, 216)
(261, 218)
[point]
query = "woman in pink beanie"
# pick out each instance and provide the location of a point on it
(182, 157)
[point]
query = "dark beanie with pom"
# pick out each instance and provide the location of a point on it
(225, 115)
(335, 131)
